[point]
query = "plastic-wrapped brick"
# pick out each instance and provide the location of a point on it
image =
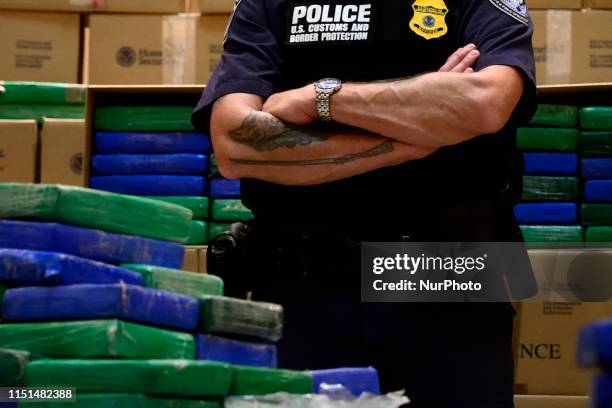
(596, 118)
(144, 118)
(556, 115)
(236, 352)
(178, 281)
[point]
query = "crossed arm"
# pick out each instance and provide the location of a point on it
(280, 140)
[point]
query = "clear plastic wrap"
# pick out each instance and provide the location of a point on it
(185, 378)
(235, 352)
(556, 115)
(40, 111)
(199, 205)
(96, 209)
(87, 243)
(224, 188)
(263, 381)
(83, 302)
(173, 164)
(42, 92)
(596, 214)
(224, 315)
(151, 143)
(178, 281)
(547, 139)
(151, 185)
(144, 118)
(542, 188)
(97, 339)
(341, 399)
(596, 118)
(198, 233)
(552, 233)
(123, 401)
(36, 268)
(596, 144)
(356, 380)
(230, 210)
(13, 364)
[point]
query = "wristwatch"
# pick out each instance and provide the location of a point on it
(324, 89)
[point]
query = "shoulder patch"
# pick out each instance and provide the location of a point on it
(517, 9)
(229, 22)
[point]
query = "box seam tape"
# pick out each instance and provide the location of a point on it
(559, 46)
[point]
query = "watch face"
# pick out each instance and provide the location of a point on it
(328, 84)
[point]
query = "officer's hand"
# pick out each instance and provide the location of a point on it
(461, 60)
(296, 106)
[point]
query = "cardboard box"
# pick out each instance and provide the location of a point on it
(555, 4)
(598, 4)
(40, 46)
(203, 259)
(62, 152)
(217, 6)
(99, 6)
(572, 47)
(191, 262)
(548, 341)
(549, 401)
(18, 151)
(137, 49)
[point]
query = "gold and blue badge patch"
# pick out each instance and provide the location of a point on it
(429, 19)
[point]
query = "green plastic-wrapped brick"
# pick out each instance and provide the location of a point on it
(96, 209)
(225, 315)
(230, 210)
(552, 233)
(122, 401)
(198, 233)
(599, 234)
(596, 144)
(596, 118)
(264, 381)
(596, 214)
(186, 378)
(540, 188)
(19, 92)
(97, 339)
(214, 166)
(560, 139)
(144, 118)
(556, 115)
(177, 281)
(217, 228)
(199, 206)
(38, 112)
(13, 365)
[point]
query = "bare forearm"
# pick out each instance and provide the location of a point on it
(436, 109)
(263, 147)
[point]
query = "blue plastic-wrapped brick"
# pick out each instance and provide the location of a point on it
(151, 185)
(127, 164)
(150, 143)
(224, 188)
(85, 302)
(236, 352)
(597, 169)
(595, 345)
(37, 268)
(554, 164)
(546, 213)
(88, 243)
(598, 191)
(601, 396)
(356, 380)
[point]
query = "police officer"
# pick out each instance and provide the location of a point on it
(334, 117)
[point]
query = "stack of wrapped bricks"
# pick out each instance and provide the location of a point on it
(595, 352)
(562, 195)
(153, 151)
(93, 299)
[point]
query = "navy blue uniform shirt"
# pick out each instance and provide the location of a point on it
(275, 45)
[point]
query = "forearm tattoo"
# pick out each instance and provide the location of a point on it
(266, 133)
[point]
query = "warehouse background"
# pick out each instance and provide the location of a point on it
(143, 53)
